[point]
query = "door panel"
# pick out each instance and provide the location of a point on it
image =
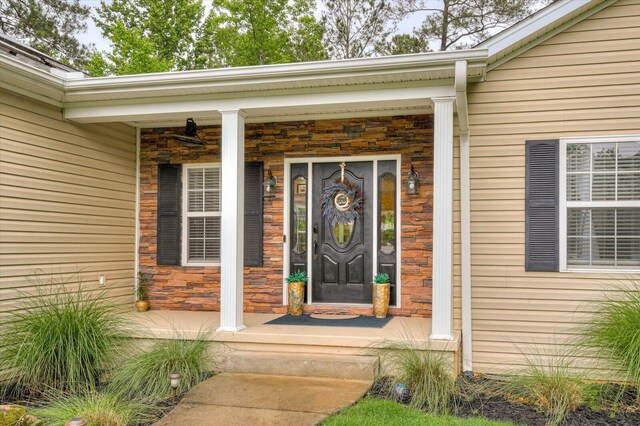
(342, 254)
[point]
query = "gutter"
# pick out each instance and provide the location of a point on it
(465, 214)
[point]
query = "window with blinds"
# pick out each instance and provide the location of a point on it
(202, 214)
(602, 204)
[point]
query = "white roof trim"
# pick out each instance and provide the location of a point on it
(546, 18)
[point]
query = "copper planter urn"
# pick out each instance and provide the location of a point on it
(296, 298)
(380, 298)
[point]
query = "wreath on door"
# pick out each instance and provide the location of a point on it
(341, 201)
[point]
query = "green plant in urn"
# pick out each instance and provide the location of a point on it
(296, 283)
(380, 295)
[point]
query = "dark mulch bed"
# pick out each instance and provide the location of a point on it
(479, 400)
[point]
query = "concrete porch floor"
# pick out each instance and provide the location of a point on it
(260, 336)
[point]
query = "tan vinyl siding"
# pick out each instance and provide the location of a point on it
(67, 202)
(583, 81)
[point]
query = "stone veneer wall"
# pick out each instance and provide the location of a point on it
(198, 288)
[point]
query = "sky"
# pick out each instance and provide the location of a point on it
(94, 36)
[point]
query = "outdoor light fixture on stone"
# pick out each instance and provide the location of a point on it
(174, 378)
(270, 185)
(412, 182)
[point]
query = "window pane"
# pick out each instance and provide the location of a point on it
(629, 222)
(212, 201)
(603, 251)
(604, 187)
(579, 223)
(196, 178)
(629, 156)
(578, 157)
(387, 213)
(212, 178)
(629, 186)
(195, 201)
(299, 215)
(628, 252)
(578, 251)
(603, 222)
(578, 187)
(604, 156)
(342, 233)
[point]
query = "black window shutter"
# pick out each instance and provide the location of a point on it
(253, 175)
(169, 214)
(542, 202)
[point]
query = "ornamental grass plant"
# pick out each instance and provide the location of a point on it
(97, 409)
(62, 339)
(546, 381)
(145, 375)
(425, 372)
(614, 330)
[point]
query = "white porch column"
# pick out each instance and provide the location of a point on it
(442, 300)
(232, 238)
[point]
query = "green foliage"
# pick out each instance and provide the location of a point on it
(141, 290)
(356, 29)
(297, 277)
(145, 376)
(260, 32)
(147, 36)
(454, 24)
(401, 44)
(97, 409)
(60, 340)
(427, 374)
(614, 329)
(49, 26)
(169, 35)
(547, 383)
(381, 278)
(376, 412)
(15, 415)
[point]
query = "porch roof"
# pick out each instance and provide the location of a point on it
(354, 87)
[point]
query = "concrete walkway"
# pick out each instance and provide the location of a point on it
(252, 399)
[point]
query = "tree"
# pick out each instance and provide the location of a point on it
(148, 35)
(258, 32)
(358, 28)
(405, 43)
(50, 26)
(456, 23)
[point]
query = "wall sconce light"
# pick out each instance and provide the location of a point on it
(270, 185)
(191, 128)
(412, 182)
(174, 378)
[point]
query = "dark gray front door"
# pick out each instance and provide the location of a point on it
(342, 254)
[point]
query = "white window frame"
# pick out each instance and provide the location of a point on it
(564, 204)
(186, 214)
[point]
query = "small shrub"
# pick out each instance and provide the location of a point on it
(548, 384)
(97, 409)
(59, 340)
(614, 330)
(427, 374)
(141, 290)
(145, 376)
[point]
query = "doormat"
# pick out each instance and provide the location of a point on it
(361, 321)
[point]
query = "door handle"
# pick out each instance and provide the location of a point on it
(315, 242)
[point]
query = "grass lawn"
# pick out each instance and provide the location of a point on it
(373, 412)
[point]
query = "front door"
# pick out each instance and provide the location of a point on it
(342, 251)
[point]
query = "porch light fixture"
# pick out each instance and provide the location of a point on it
(191, 128)
(270, 185)
(412, 182)
(174, 379)
(190, 133)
